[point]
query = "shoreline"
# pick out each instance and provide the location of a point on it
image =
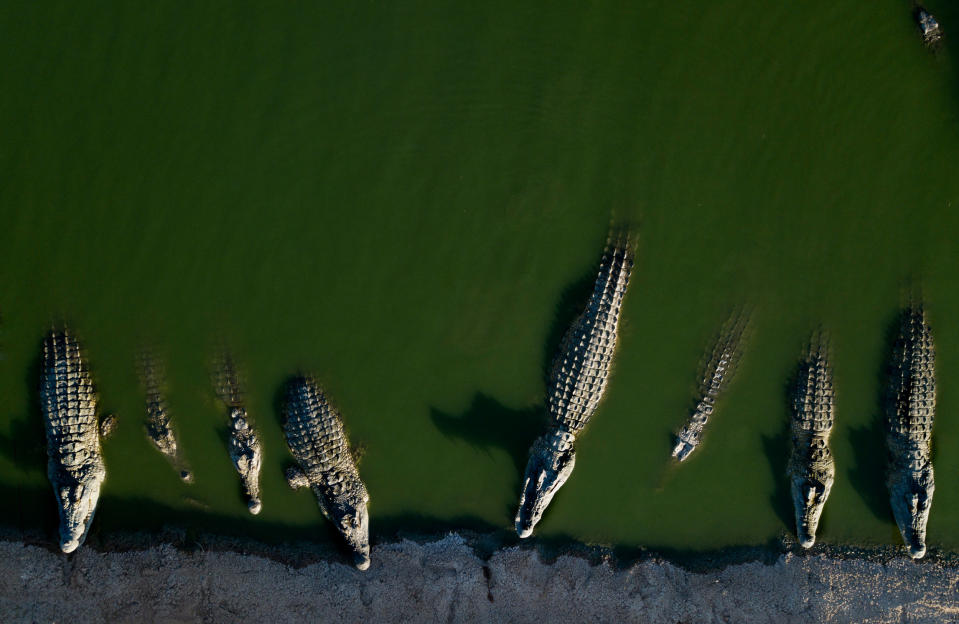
(462, 577)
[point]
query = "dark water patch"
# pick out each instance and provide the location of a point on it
(487, 423)
(25, 445)
(776, 449)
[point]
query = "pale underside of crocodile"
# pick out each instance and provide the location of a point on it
(314, 433)
(910, 410)
(75, 466)
(244, 444)
(159, 425)
(577, 382)
(718, 371)
(812, 469)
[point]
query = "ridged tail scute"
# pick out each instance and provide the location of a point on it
(717, 373)
(576, 384)
(910, 409)
(75, 464)
(314, 433)
(812, 469)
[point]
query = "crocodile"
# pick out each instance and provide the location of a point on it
(244, 444)
(314, 433)
(717, 374)
(812, 469)
(910, 408)
(68, 403)
(159, 427)
(928, 26)
(576, 384)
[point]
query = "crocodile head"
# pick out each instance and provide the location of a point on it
(911, 498)
(551, 461)
(352, 519)
(77, 500)
(809, 494)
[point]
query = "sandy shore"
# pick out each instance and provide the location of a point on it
(445, 580)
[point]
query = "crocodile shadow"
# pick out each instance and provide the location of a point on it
(776, 448)
(25, 445)
(868, 474)
(487, 423)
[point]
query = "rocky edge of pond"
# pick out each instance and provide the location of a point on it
(464, 577)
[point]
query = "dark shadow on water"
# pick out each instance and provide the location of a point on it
(572, 303)
(487, 423)
(776, 448)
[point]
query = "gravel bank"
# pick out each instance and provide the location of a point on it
(445, 581)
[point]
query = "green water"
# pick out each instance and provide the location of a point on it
(406, 201)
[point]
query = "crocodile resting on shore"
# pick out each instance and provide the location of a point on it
(576, 385)
(910, 409)
(717, 373)
(159, 427)
(75, 467)
(317, 441)
(812, 469)
(244, 445)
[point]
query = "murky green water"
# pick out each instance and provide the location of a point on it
(405, 200)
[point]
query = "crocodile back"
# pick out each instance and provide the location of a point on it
(911, 402)
(813, 409)
(581, 367)
(68, 402)
(314, 431)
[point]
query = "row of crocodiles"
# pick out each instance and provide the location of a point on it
(577, 382)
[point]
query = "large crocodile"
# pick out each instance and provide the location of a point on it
(244, 445)
(811, 466)
(717, 373)
(75, 467)
(910, 409)
(159, 427)
(317, 441)
(577, 382)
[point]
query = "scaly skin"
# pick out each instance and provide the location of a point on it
(316, 439)
(718, 372)
(910, 409)
(577, 383)
(69, 403)
(159, 426)
(811, 466)
(928, 26)
(244, 445)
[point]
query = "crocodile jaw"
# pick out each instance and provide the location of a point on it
(76, 503)
(551, 461)
(911, 499)
(809, 497)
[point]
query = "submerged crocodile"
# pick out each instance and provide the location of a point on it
(244, 444)
(928, 26)
(910, 409)
(159, 427)
(717, 373)
(317, 441)
(812, 469)
(75, 467)
(577, 382)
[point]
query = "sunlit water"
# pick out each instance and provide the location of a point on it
(407, 202)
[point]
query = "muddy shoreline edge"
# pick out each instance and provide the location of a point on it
(462, 577)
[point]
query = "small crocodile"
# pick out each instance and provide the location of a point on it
(576, 385)
(717, 373)
(812, 469)
(68, 402)
(244, 445)
(910, 409)
(317, 441)
(928, 26)
(159, 427)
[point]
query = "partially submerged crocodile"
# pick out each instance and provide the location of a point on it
(717, 373)
(576, 385)
(812, 469)
(317, 441)
(910, 409)
(244, 444)
(928, 26)
(159, 427)
(75, 467)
